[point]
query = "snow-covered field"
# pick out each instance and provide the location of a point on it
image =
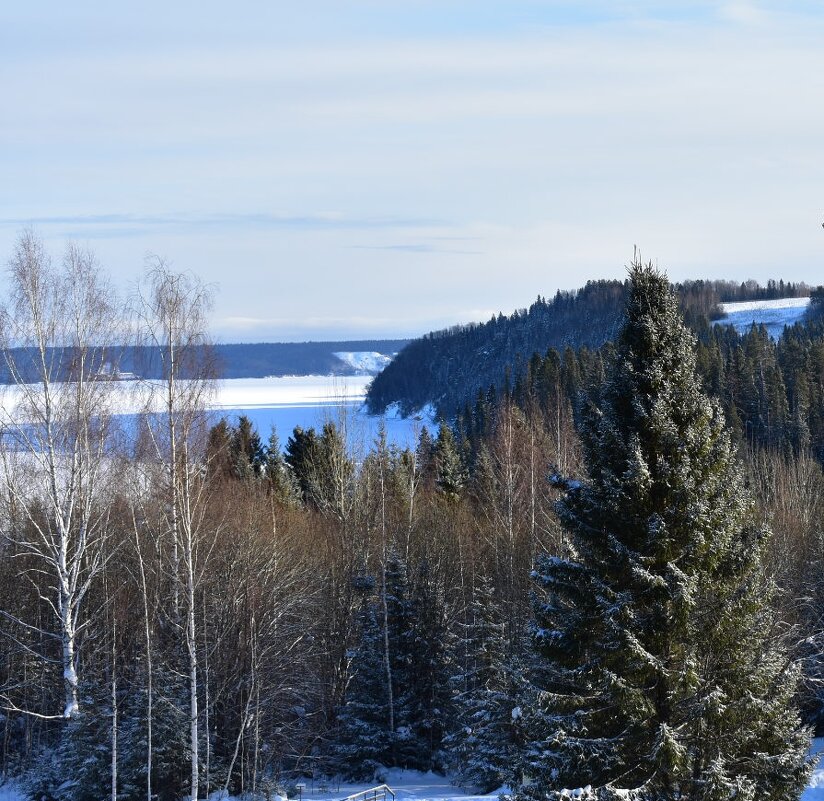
(773, 314)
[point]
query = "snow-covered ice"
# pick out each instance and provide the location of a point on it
(280, 401)
(773, 314)
(310, 401)
(284, 391)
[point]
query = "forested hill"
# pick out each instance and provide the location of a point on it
(448, 368)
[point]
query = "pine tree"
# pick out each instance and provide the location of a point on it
(663, 672)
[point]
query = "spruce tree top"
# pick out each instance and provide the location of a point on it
(660, 459)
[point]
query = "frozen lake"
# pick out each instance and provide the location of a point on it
(283, 402)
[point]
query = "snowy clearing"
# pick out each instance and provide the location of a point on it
(408, 785)
(368, 362)
(773, 314)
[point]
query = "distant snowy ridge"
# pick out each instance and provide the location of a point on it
(364, 362)
(772, 314)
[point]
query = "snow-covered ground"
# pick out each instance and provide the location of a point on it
(773, 314)
(408, 785)
(10, 791)
(412, 785)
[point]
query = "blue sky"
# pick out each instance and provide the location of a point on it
(383, 168)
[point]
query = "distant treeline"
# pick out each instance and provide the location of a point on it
(448, 368)
(243, 360)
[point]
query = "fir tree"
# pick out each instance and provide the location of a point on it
(663, 670)
(427, 707)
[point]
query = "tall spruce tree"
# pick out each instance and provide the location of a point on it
(663, 672)
(481, 742)
(363, 739)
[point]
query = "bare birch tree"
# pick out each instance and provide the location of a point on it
(172, 310)
(56, 330)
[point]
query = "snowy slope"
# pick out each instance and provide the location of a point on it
(773, 314)
(364, 362)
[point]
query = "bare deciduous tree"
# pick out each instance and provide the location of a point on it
(57, 328)
(172, 310)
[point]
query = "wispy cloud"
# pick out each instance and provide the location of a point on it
(121, 224)
(417, 248)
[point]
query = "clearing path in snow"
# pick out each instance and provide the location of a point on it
(773, 314)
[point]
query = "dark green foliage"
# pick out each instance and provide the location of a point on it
(322, 467)
(482, 741)
(79, 767)
(664, 672)
(449, 367)
(450, 473)
(281, 480)
(427, 696)
(219, 450)
(362, 737)
(300, 457)
(815, 312)
(247, 450)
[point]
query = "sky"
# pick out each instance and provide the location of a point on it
(383, 168)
